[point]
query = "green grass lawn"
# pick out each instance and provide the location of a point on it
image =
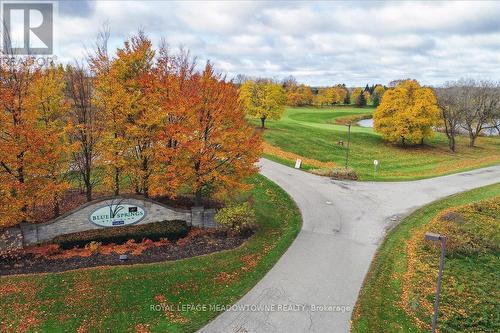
(119, 299)
(313, 133)
(470, 292)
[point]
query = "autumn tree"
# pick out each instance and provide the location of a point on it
(221, 148)
(18, 146)
(365, 98)
(339, 94)
(331, 95)
(299, 96)
(175, 73)
(358, 98)
(377, 94)
(289, 83)
(407, 113)
(111, 100)
(263, 99)
(51, 165)
(323, 97)
(32, 147)
(85, 131)
(133, 71)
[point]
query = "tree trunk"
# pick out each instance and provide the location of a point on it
(87, 176)
(145, 178)
(451, 142)
(198, 199)
(263, 121)
(117, 181)
(20, 179)
(88, 185)
(57, 209)
(422, 141)
(472, 140)
(145, 188)
(88, 191)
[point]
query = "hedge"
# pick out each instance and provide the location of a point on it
(171, 230)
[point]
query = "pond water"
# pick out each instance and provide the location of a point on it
(366, 122)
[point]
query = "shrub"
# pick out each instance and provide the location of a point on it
(171, 230)
(239, 218)
(93, 247)
(343, 173)
(470, 229)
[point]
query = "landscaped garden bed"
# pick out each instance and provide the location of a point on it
(120, 298)
(54, 258)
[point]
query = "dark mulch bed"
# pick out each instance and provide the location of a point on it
(204, 243)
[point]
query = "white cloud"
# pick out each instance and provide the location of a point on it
(321, 43)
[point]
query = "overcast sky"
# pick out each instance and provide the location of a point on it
(320, 43)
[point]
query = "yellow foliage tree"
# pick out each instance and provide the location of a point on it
(263, 99)
(323, 97)
(407, 113)
(367, 97)
(340, 94)
(356, 96)
(52, 161)
(378, 92)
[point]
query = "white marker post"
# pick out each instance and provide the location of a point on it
(298, 163)
(375, 164)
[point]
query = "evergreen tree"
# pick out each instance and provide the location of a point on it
(361, 100)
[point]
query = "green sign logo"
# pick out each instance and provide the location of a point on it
(117, 214)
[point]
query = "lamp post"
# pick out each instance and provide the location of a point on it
(437, 238)
(348, 139)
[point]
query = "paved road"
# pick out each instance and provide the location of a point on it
(343, 224)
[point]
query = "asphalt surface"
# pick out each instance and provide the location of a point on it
(343, 224)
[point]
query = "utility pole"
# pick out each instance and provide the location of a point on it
(348, 141)
(442, 239)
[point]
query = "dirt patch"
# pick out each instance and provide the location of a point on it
(453, 217)
(48, 258)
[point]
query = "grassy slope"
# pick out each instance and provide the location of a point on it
(118, 299)
(313, 133)
(376, 309)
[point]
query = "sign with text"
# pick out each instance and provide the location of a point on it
(117, 214)
(298, 163)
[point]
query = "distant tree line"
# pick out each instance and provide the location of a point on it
(409, 112)
(470, 106)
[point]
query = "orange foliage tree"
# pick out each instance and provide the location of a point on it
(221, 149)
(110, 99)
(150, 121)
(31, 133)
(133, 71)
(51, 164)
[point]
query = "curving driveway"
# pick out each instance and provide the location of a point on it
(343, 224)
